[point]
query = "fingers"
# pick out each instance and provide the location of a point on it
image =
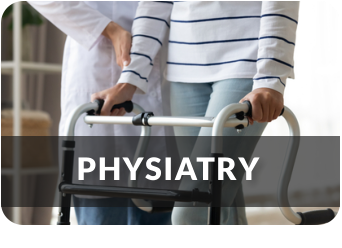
(122, 112)
(267, 104)
(126, 58)
(257, 110)
(117, 94)
(122, 46)
(107, 106)
(115, 112)
(121, 41)
(275, 115)
(277, 112)
(118, 112)
(123, 57)
(271, 114)
(118, 58)
(250, 121)
(94, 97)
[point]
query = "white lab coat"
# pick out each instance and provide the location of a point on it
(89, 63)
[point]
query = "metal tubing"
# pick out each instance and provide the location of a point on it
(140, 152)
(73, 117)
(220, 121)
(288, 165)
(215, 187)
(139, 193)
(17, 110)
(289, 158)
(64, 212)
(214, 212)
(17, 68)
(66, 177)
(165, 121)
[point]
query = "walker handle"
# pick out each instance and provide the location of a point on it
(128, 106)
(249, 112)
(317, 217)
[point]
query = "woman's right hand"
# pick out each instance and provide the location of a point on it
(122, 42)
(267, 104)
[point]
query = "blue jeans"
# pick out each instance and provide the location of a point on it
(99, 215)
(207, 99)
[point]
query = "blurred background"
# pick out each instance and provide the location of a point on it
(313, 96)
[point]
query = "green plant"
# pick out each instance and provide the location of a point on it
(29, 16)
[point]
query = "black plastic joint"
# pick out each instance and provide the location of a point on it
(68, 144)
(240, 116)
(100, 103)
(142, 119)
(250, 110)
(240, 127)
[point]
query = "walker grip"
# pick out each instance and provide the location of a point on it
(128, 106)
(249, 112)
(317, 217)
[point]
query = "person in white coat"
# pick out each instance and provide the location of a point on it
(96, 50)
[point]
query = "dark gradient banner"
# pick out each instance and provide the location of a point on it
(169, 169)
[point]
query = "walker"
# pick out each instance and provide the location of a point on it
(213, 196)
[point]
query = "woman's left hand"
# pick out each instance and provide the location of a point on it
(267, 104)
(117, 94)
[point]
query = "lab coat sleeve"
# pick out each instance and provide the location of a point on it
(276, 44)
(76, 19)
(151, 24)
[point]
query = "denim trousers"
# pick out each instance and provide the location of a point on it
(93, 212)
(208, 99)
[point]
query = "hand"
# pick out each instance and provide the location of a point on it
(115, 95)
(267, 104)
(122, 42)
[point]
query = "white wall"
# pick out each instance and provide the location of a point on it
(314, 95)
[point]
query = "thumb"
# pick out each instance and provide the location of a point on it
(243, 99)
(94, 97)
(126, 58)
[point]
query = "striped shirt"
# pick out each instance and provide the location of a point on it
(215, 40)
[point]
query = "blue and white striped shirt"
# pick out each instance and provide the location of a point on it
(215, 40)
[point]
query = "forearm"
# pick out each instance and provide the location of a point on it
(74, 18)
(276, 45)
(110, 30)
(149, 29)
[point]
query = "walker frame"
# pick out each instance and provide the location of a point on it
(213, 196)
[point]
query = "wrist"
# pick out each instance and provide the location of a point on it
(127, 88)
(268, 90)
(110, 30)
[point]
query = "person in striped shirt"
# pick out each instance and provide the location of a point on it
(218, 53)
